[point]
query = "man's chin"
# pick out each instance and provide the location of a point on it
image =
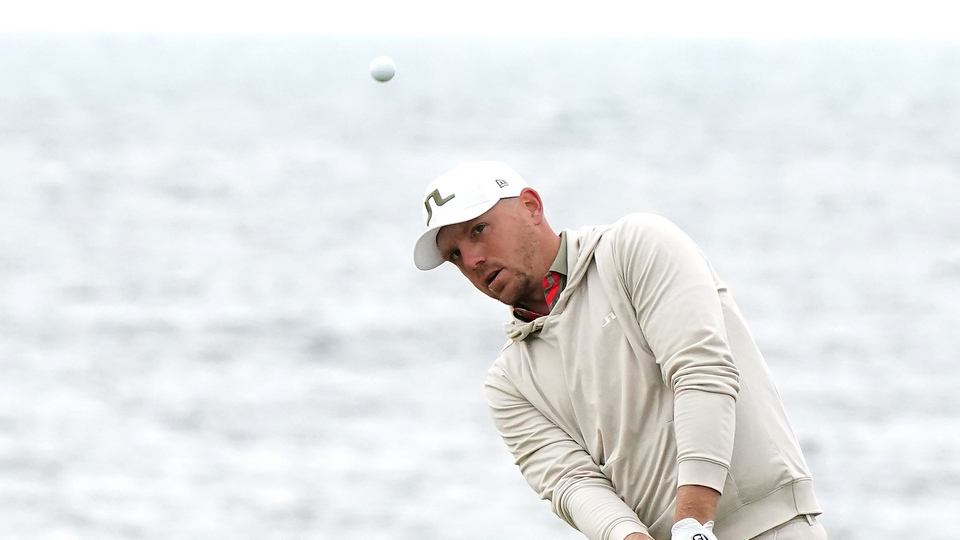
(510, 294)
(496, 296)
(503, 297)
(509, 299)
(503, 300)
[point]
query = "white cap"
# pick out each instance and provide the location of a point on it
(459, 195)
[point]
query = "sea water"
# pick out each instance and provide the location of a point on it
(211, 326)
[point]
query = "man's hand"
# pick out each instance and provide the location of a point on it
(691, 529)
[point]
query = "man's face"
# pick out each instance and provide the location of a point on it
(496, 252)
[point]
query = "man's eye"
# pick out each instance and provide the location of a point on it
(454, 255)
(479, 228)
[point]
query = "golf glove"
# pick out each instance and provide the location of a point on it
(691, 529)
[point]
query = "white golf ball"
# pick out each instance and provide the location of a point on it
(382, 68)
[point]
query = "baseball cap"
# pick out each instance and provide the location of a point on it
(459, 195)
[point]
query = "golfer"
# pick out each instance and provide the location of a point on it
(630, 392)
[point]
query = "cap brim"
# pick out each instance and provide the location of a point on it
(426, 255)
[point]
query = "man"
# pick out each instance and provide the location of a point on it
(630, 391)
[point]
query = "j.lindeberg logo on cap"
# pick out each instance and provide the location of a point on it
(435, 195)
(502, 183)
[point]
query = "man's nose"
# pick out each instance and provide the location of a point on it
(472, 256)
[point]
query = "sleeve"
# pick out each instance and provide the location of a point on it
(674, 293)
(557, 467)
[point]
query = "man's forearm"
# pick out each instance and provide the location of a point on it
(698, 502)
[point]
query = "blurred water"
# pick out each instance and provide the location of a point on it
(211, 327)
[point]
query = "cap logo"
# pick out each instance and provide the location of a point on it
(502, 183)
(437, 200)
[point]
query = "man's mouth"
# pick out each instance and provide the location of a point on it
(493, 275)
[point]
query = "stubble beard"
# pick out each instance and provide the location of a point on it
(527, 287)
(521, 287)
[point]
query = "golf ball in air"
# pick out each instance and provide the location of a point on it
(382, 68)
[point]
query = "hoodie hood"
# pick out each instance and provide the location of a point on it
(581, 246)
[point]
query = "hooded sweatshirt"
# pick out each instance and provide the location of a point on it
(643, 378)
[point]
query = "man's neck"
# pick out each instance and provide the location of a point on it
(537, 303)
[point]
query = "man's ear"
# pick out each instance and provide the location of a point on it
(532, 204)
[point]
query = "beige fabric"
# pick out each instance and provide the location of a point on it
(799, 528)
(642, 378)
(560, 262)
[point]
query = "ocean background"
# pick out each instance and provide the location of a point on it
(211, 326)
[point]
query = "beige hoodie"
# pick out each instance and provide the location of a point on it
(644, 377)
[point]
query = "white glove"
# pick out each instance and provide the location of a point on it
(691, 529)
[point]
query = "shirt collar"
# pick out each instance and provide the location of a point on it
(560, 263)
